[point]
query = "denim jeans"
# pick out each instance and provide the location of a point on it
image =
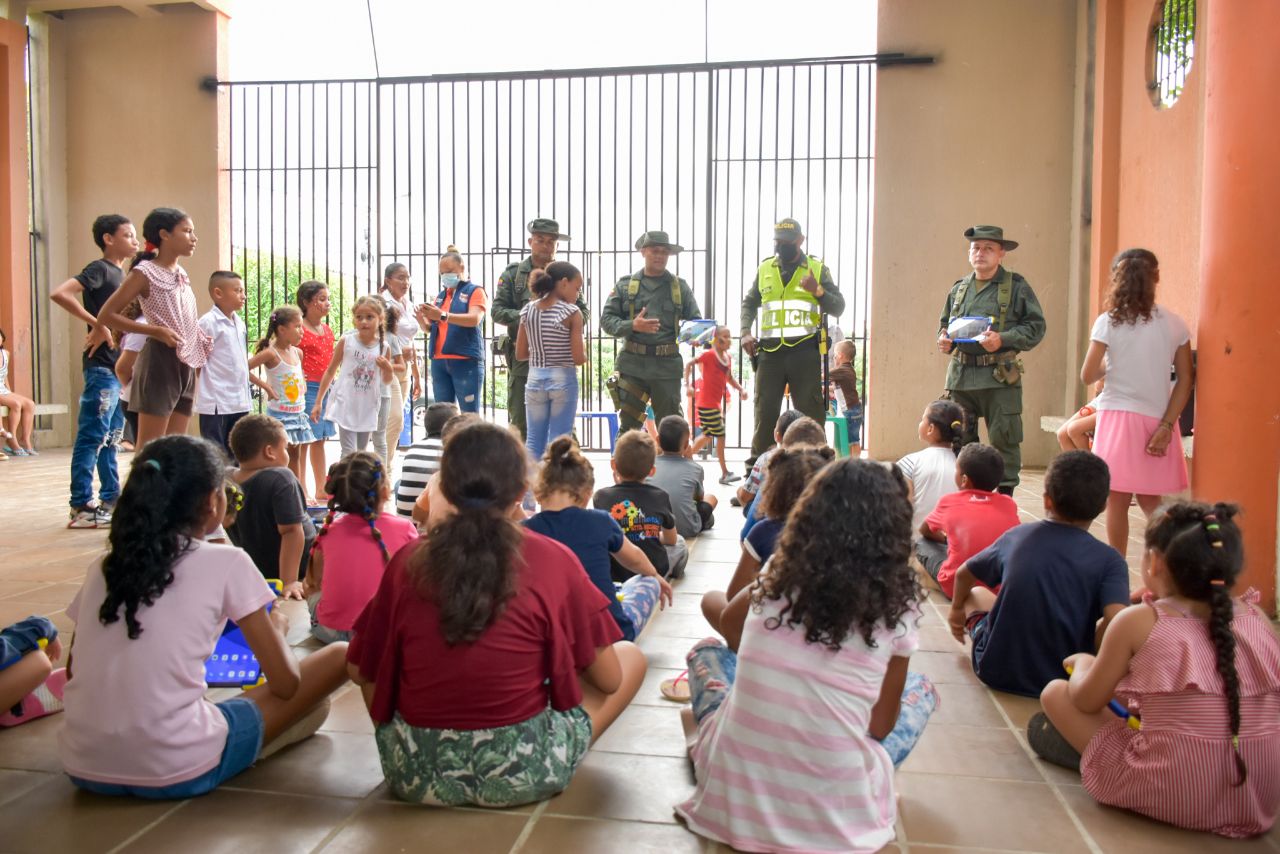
(550, 406)
(458, 381)
(100, 426)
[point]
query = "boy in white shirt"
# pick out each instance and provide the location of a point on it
(222, 387)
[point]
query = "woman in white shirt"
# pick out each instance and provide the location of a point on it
(395, 290)
(1132, 346)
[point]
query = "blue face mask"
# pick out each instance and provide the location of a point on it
(449, 280)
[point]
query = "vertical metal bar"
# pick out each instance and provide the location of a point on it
(808, 152)
(284, 202)
(791, 153)
(710, 190)
(271, 190)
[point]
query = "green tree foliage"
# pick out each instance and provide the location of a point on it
(271, 281)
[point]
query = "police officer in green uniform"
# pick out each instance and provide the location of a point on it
(646, 309)
(513, 293)
(985, 378)
(795, 291)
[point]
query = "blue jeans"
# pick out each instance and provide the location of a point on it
(100, 426)
(244, 742)
(458, 381)
(550, 406)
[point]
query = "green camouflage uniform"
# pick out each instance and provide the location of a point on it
(643, 375)
(975, 386)
(513, 293)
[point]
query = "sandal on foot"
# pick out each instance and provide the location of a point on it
(1049, 744)
(676, 690)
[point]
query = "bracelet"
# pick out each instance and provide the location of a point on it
(1166, 425)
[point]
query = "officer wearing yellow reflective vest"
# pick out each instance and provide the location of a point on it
(792, 292)
(985, 377)
(646, 309)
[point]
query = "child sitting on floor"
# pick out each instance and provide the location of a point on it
(273, 525)
(137, 721)
(431, 508)
(1201, 668)
(29, 686)
(798, 735)
(790, 470)
(642, 510)
(966, 522)
(748, 491)
(422, 460)
(681, 479)
(352, 549)
(1059, 585)
(487, 658)
(931, 472)
(802, 432)
(565, 483)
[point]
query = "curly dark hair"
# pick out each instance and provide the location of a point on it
(841, 562)
(1134, 274)
(564, 469)
(1204, 551)
(469, 562)
(353, 484)
(949, 417)
(788, 472)
(158, 516)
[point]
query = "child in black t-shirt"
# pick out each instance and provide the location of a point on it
(642, 510)
(272, 525)
(100, 422)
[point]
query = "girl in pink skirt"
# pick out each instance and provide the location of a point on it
(1133, 346)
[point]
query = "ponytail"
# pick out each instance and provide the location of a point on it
(161, 510)
(160, 219)
(950, 419)
(543, 282)
(564, 469)
(282, 316)
(468, 566)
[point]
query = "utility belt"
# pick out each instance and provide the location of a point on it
(770, 345)
(639, 349)
(985, 359)
(620, 388)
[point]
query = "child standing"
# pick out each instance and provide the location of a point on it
(844, 380)
(488, 640)
(100, 423)
(353, 546)
(22, 411)
(361, 358)
(823, 644)
(279, 354)
(273, 525)
(717, 371)
(317, 351)
(1059, 586)
(165, 378)
(931, 473)
(565, 482)
(222, 389)
(131, 344)
(137, 721)
(967, 521)
(681, 478)
(384, 438)
(550, 339)
(642, 510)
(1132, 346)
(1202, 669)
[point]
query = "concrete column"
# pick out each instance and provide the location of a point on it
(15, 284)
(1237, 445)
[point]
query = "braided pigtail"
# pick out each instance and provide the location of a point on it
(354, 485)
(371, 510)
(1203, 549)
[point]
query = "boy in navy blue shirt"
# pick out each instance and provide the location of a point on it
(1060, 585)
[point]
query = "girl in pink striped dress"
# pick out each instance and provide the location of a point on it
(164, 377)
(799, 733)
(1202, 672)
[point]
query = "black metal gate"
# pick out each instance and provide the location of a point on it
(334, 179)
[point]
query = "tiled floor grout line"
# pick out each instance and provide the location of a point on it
(527, 830)
(361, 807)
(147, 827)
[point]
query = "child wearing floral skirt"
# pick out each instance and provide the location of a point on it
(279, 354)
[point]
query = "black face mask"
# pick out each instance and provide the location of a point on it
(788, 252)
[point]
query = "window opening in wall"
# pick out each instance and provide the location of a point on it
(1172, 49)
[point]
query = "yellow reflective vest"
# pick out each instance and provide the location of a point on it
(788, 310)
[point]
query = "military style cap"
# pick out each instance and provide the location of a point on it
(788, 230)
(658, 238)
(542, 225)
(990, 232)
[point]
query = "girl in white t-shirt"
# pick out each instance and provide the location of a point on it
(361, 361)
(147, 617)
(931, 472)
(1132, 346)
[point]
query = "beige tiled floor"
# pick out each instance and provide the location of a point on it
(971, 784)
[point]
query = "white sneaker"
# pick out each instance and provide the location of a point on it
(102, 514)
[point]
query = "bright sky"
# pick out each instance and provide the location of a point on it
(306, 39)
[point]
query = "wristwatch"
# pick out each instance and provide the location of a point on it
(444, 316)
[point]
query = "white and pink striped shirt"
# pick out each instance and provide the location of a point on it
(786, 763)
(170, 302)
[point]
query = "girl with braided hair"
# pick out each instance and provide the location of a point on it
(1132, 346)
(1201, 669)
(353, 547)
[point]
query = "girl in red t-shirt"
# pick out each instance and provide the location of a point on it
(317, 351)
(488, 642)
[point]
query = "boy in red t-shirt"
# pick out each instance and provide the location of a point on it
(966, 522)
(717, 371)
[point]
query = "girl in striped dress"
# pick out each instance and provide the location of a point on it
(798, 734)
(1202, 672)
(278, 353)
(164, 380)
